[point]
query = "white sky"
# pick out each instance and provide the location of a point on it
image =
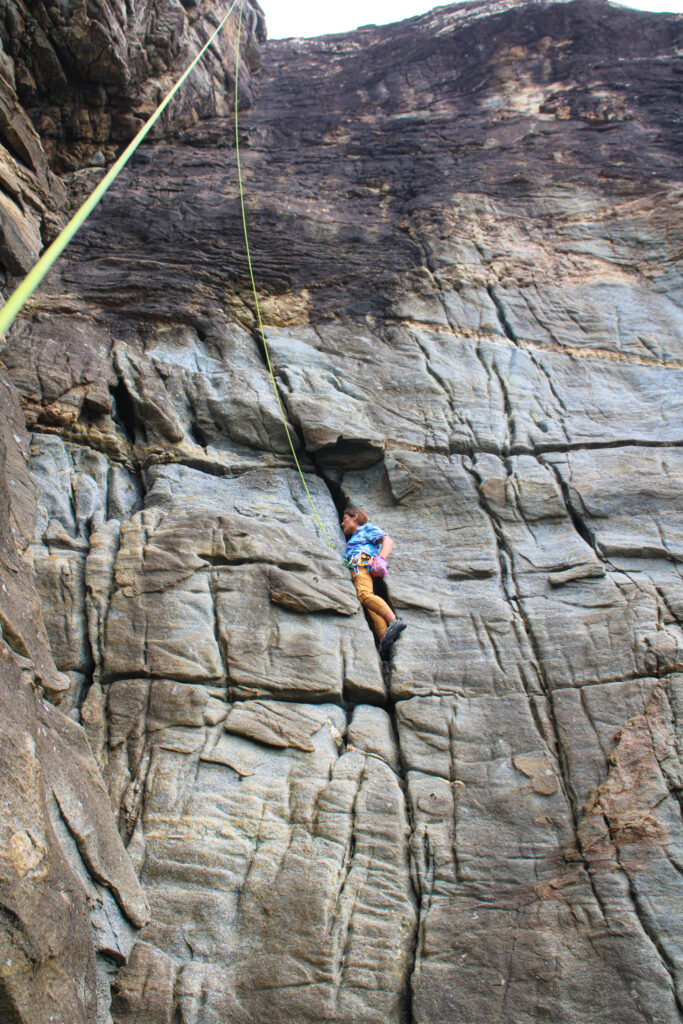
(318, 17)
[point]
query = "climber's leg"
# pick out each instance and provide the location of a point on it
(378, 610)
(377, 624)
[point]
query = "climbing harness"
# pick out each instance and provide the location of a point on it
(25, 290)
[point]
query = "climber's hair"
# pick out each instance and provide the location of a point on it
(358, 514)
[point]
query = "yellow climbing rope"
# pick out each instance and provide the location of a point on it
(27, 287)
(25, 290)
(253, 283)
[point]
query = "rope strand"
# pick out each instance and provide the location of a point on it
(25, 290)
(253, 284)
(33, 279)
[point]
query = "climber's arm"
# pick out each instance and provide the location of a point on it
(387, 545)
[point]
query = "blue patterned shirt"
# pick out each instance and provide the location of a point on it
(367, 540)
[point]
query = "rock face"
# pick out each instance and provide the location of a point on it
(465, 232)
(78, 79)
(89, 74)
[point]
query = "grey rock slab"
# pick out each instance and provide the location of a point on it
(77, 490)
(187, 604)
(90, 823)
(430, 506)
(629, 499)
(634, 821)
(306, 595)
(444, 578)
(69, 888)
(176, 704)
(465, 641)
(476, 402)
(219, 386)
(338, 393)
(62, 591)
(276, 724)
(277, 620)
(165, 625)
(213, 393)
(20, 243)
(589, 721)
(480, 949)
(99, 581)
(143, 991)
(473, 877)
(616, 316)
(145, 391)
(22, 620)
(372, 930)
(272, 651)
(372, 731)
(484, 396)
(531, 400)
(559, 581)
(300, 878)
(508, 825)
(255, 491)
(559, 401)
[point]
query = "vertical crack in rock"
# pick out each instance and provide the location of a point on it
(306, 844)
(493, 374)
(133, 799)
(341, 500)
(455, 782)
(417, 894)
(572, 512)
(347, 864)
(502, 317)
(640, 904)
(508, 583)
(443, 386)
(648, 924)
(576, 515)
(538, 361)
(510, 589)
(430, 266)
(220, 638)
(123, 412)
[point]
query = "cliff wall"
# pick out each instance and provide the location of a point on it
(466, 234)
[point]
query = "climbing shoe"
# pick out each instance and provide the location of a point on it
(394, 630)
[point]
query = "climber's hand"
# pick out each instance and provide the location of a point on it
(378, 566)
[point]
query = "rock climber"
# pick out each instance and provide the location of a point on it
(366, 552)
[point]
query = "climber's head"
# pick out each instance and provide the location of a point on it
(352, 519)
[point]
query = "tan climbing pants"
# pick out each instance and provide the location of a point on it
(374, 607)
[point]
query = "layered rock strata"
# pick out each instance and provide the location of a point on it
(71, 904)
(78, 80)
(90, 74)
(465, 234)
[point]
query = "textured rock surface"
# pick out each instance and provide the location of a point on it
(78, 79)
(465, 230)
(89, 74)
(70, 902)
